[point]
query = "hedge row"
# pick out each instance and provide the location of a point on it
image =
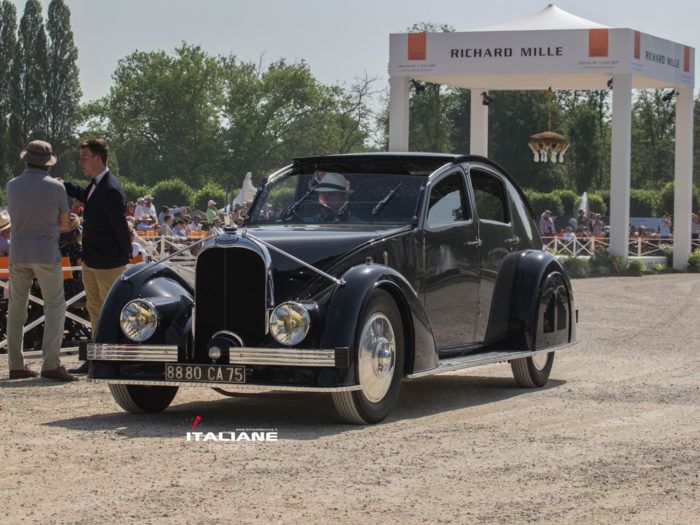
(643, 203)
(176, 192)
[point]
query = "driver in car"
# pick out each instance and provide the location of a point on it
(333, 194)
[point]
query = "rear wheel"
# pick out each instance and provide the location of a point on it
(139, 399)
(380, 352)
(531, 372)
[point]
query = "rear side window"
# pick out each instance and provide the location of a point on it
(447, 201)
(490, 197)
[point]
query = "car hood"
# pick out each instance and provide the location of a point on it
(318, 245)
(321, 246)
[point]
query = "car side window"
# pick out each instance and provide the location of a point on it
(447, 201)
(490, 197)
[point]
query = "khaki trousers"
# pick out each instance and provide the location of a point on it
(97, 283)
(50, 279)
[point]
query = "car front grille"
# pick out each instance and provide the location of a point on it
(230, 294)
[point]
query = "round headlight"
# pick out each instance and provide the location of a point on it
(139, 320)
(289, 323)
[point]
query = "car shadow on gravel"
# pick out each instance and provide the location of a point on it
(301, 416)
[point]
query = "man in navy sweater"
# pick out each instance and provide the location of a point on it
(106, 238)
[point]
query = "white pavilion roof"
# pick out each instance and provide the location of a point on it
(551, 17)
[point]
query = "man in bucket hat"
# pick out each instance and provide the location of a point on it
(39, 209)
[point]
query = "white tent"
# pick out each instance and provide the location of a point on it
(556, 49)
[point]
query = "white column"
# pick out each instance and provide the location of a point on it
(479, 125)
(620, 164)
(683, 192)
(398, 113)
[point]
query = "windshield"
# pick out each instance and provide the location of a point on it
(332, 197)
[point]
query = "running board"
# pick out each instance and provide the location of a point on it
(450, 364)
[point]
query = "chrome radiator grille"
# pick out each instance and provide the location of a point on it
(230, 294)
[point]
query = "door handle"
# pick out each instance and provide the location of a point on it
(477, 243)
(512, 240)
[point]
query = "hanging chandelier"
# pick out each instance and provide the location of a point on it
(548, 145)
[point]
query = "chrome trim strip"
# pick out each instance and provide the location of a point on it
(148, 353)
(237, 388)
(282, 356)
(339, 282)
(473, 360)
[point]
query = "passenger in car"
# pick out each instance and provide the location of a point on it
(333, 193)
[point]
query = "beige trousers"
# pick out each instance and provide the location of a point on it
(97, 283)
(50, 280)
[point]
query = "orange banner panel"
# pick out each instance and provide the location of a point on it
(686, 59)
(637, 45)
(597, 42)
(416, 46)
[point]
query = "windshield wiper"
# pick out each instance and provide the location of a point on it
(294, 206)
(386, 199)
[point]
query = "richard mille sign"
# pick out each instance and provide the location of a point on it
(540, 52)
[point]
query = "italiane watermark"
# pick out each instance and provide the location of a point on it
(193, 430)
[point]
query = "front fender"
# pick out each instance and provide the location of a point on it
(172, 294)
(345, 307)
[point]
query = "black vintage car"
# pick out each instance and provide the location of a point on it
(351, 273)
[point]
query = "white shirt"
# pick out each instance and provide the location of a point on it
(97, 181)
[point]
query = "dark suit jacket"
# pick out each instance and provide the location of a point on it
(106, 237)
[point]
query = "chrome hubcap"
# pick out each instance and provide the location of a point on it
(376, 357)
(540, 360)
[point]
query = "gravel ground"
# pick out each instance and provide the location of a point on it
(613, 437)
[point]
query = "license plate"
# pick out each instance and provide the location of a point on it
(205, 373)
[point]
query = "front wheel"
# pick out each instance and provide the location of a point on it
(139, 399)
(380, 353)
(531, 372)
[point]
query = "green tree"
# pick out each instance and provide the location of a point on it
(163, 116)
(8, 50)
(514, 116)
(275, 114)
(588, 161)
(29, 74)
(63, 85)
(653, 144)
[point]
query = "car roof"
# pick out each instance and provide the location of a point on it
(376, 162)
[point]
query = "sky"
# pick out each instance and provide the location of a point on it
(340, 40)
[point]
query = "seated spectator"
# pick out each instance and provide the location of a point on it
(570, 238)
(4, 233)
(180, 229)
(216, 228)
(130, 209)
(597, 225)
(695, 226)
(70, 244)
(166, 229)
(77, 208)
(196, 225)
(171, 210)
(137, 249)
(145, 224)
(140, 209)
(582, 220)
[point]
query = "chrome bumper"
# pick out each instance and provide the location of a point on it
(233, 388)
(337, 357)
(147, 353)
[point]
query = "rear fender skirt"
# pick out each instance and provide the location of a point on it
(532, 268)
(345, 307)
(173, 293)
